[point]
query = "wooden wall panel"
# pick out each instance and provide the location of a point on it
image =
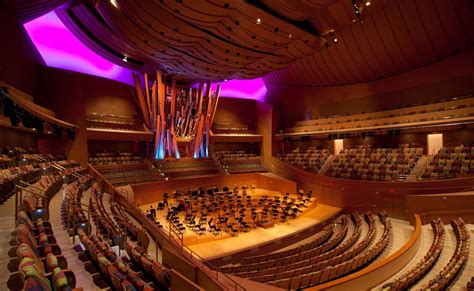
(19, 57)
(70, 94)
(450, 77)
(12, 137)
(236, 111)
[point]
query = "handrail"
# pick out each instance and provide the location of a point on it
(377, 265)
(185, 251)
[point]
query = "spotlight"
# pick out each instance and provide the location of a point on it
(114, 2)
(125, 59)
(290, 36)
(334, 40)
(367, 3)
(259, 21)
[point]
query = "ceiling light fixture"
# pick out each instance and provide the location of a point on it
(259, 21)
(125, 59)
(290, 35)
(367, 3)
(114, 2)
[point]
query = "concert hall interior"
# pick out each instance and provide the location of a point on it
(236, 145)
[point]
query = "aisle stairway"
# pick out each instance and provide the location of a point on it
(7, 226)
(83, 278)
(418, 169)
(326, 164)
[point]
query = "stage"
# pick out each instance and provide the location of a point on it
(259, 236)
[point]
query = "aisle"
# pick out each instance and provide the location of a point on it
(7, 226)
(83, 278)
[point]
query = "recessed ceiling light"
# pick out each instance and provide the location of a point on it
(335, 40)
(290, 35)
(114, 2)
(367, 3)
(259, 21)
(125, 59)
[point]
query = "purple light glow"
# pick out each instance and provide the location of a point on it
(60, 48)
(254, 89)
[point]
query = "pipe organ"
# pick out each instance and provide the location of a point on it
(177, 115)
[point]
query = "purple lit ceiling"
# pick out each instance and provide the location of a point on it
(254, 89)
(61, 49)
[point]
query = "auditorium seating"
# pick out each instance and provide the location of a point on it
(310, 265)
(308, 159)
(122, 174)
(409, 278)
(187, 167)
(118, 271)
(375, 163)
(444, 278)
(231, 128)
(416, 114)
(451, 162)
(112, 121)
(108, 158)
(36, 255)
(234, 162)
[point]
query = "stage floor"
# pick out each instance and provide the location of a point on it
(210, 246)
(260, 236)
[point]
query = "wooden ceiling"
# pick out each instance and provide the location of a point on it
(392, 37)
(290, 42)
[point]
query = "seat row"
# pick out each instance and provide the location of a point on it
(410, 278)
(444, 278)
(451, 162)
(38, 257)
(444, 111)
(343, 252)
(362, 259)
(321, 239)
(292, 259)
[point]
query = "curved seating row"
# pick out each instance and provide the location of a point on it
(442, 280)
(159, 273)
(117, 272)
(409, 278)
(451, 162)
(308, 159)
(341, 253)
(288, 260)
(367, 254)
(38, 258)
(368, 163)
(326, 234)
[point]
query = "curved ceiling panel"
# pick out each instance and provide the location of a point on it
(297, 42)
(389, 38)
